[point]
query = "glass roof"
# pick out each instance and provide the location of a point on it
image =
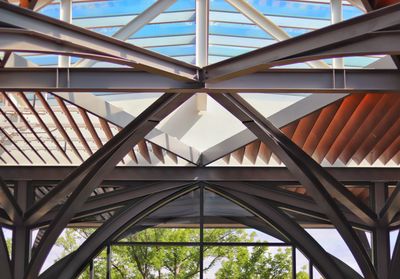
(230, 33)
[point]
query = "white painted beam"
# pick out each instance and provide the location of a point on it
(65, 15)
(202, 25)
(336, 17)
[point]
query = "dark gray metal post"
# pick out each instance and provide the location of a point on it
(21, 234)
(201, 257)
(381, 241)
(108, 275)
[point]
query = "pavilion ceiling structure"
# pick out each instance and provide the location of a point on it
(69, 158)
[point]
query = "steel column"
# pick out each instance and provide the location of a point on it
(21, 234)
(65, 15)
(336, 17)
(381, 241)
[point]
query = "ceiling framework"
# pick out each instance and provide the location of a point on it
(61, 145)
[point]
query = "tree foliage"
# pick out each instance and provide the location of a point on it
(183, 261)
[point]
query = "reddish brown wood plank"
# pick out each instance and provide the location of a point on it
(384, 124)
(367, 126)
(321, 124)
(344, 112)
(352, 125)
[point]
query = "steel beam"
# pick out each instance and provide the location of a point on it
(392, 206)
(88, 80)
(321, 186)
(105, 110)
(270, 81)
(114, 199)
(271, 55)
(91, 173)
(277, 174)
(9, 204)
(20, 40)
(290, 201)
(311, 81)
(379, 42)
(138, 57)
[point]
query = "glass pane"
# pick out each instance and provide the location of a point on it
(155, 262)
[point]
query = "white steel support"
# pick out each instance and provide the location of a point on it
(267, 25)
(336, 17)
(202, 23)
(134, 25)
(65, 15)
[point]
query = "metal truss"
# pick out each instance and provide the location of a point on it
(329, 202)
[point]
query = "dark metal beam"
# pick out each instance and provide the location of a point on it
(278, 174)
(21, 244)
(20, 40)
(380, 42)
(320, 185)
(91, 173)
(381, 240)
(9, 204)
(301, 204)
(269, 81)
(113, 199)
(391, 206)
(269, 56)
(138, 57)
(311, 81)
(89, 80)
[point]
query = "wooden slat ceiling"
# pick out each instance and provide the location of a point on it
(362, 129)
(42, 129)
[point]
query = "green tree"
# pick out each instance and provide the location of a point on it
(182, 262)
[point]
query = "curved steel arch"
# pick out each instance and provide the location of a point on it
(325, 263)
(74, 264)
(321, 186)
